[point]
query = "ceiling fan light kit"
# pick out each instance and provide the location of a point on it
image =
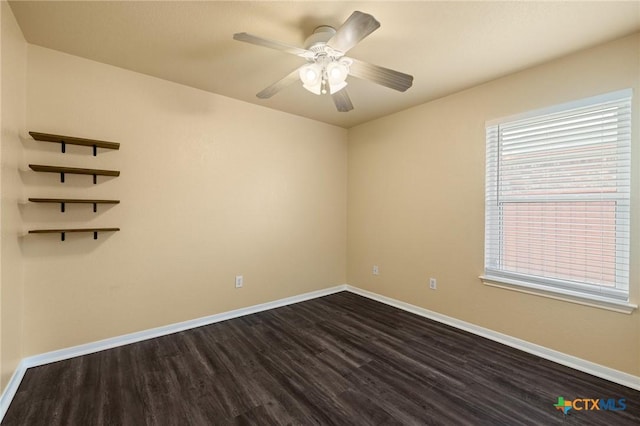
(327, 68)
(326, 72)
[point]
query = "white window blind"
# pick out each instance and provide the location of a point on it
(557, 198)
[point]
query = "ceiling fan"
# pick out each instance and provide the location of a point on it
(327, 66)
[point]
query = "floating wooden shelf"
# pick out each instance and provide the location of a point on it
(70, 140)
(64, 201)
(64, 231)
(64, 141)
(73, 170)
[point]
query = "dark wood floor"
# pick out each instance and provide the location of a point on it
(340, 359)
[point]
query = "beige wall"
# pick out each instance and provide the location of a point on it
(13, 90)
(416, 207)
(210, 188)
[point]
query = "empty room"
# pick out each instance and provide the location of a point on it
(319, 213)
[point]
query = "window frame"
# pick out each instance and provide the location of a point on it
(616, 299)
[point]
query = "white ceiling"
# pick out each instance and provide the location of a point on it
(446, 46)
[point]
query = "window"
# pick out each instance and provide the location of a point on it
(557, 199)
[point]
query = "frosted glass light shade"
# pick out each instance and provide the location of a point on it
(337, 73)
(311, 77)
(336, 87)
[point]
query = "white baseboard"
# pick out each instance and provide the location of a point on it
(89, 348)
(139, 336)
(597, 370)
(580, 364)
(11, 388)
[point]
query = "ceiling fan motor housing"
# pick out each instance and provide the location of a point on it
(317, 41)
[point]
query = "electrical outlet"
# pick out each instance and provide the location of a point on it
(239, 281)
(433, 284)
(376, 271)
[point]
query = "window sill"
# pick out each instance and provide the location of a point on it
(565, 296)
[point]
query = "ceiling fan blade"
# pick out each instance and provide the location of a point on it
(279, 85)
(342, 101)
(277, 45)
(355, 28)
(384, 76)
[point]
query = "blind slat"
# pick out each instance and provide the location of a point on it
(558, 197)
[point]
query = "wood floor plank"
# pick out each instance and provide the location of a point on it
(336, 360)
